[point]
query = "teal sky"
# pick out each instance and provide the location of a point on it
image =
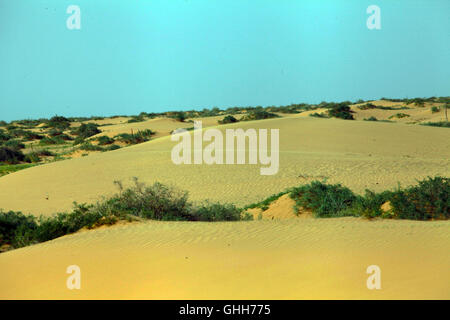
(147, 55)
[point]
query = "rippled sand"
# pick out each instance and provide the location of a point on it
(281, 259)
(358, 154)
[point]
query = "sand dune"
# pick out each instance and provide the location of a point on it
(284, 259)
(281, 256)
(415, 114)
(162, 126)
(359, 154)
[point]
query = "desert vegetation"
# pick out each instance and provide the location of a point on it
(156, 202)
(442, 124)
(428, 200)
(258, 115)
(228, 119)
(57, 138)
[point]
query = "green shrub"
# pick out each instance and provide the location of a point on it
(86, 130)
(367, 106)
(399, 115)
(430, 199)
(32, 157)
(51, 141)
(78, 140)
(14, 225)
(35, 156)
(228, 119)
(25, 134)
(341, 111)
(65, 223)
(4, 136)
(104, 140)
(10, 168)
(318, 115)
(434, 109)
(264, 205)
(10, 156)
(55, 132)
(217, 212)
(135, 138)
(259, 115)
(442, 124)
(17, 133)
(30, 136)
(178, 115)
(111, 147)
(158, 202)
(14, 144)
(59, 122)
(324, 200)
(371, 119)
(139, 118)
(369, 205)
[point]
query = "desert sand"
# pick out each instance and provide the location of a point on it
(281, 256)
(358, 154)
(283, 259)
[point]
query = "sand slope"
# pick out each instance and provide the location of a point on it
(285, 259)
(359, 154)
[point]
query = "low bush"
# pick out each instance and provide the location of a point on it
(25, 134)
(264, 205)
(139, 118)
(135, 138)
(442, 124)
(399, 116)
(435, 109)
(324, 200)
(59, 122)
(259, 115)
(78, 140)
(4, 136)
(227, 119)
(430, 199)
(14, 144)
(105, 140)
(341, 111)
(10, 156)
(30, 136)
(178, 115)
(111, 147)
(86, 130)
(158, 202)
(51, 141)
(318, 115)
(32, 157)
(371, 119)
(60, 134)
(35, 156)
(219, 212)
(16, 229)
(367, 106)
